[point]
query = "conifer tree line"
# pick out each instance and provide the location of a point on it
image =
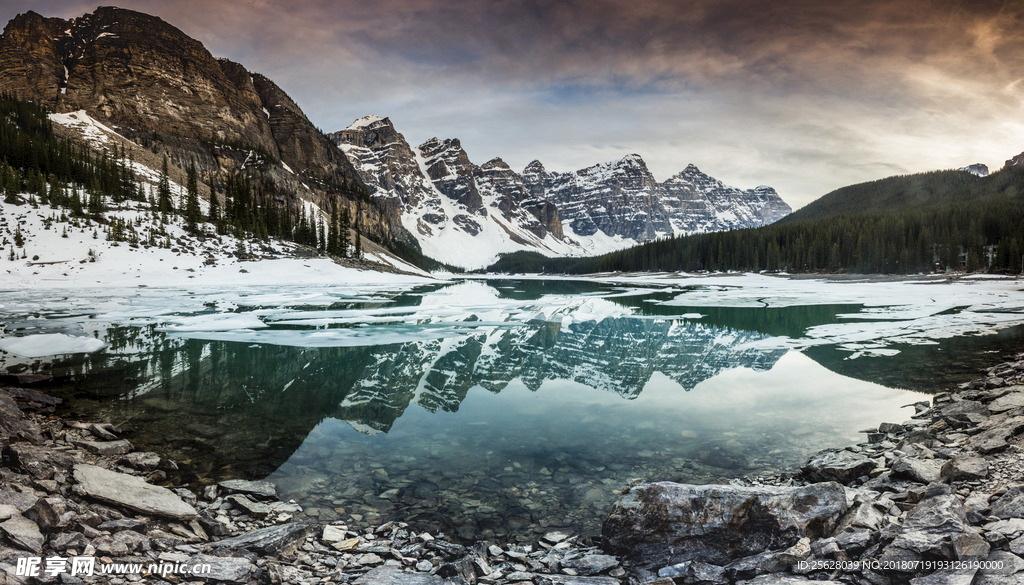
(940, 221)
(82, 184)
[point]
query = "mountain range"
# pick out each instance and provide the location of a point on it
(163, 91)
(466, 214)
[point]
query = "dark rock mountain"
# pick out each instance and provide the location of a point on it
(160, 88)
(466, 214)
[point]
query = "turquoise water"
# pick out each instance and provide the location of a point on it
(494, 409)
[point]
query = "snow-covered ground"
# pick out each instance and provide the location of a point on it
(54, 261)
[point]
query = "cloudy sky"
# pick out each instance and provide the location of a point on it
(805, 95)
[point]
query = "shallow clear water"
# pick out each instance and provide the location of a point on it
(490, 409)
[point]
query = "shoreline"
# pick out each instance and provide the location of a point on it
(958, 447)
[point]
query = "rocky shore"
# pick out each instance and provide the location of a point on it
(935, 500)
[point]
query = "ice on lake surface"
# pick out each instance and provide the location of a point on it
(502, 408)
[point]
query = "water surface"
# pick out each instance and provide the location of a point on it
(496, 409)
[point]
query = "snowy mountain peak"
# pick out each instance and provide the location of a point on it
(370, 120)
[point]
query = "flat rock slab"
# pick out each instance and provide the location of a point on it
(23, 533)
(591, 564)
(260, 509)
(965, 469)
(106, 448)
(1008, 401)
(131, 492)
(260, 489)
(396, 576)
(17, 499)
(269, 540)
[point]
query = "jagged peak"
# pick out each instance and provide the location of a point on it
(436, 143)
(535, 166)
(495, 163)
(370, 120)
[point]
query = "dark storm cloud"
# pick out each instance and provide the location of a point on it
(803, 95)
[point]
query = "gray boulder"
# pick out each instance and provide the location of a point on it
(837, 465)
(662, 524)
(917, 470)
(1010, 504)
(929, 530)
(965, 469)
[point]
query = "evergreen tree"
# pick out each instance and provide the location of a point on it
(358, 251)
(214, 216)
(163, 191)
(343, 242)
(193, 214)
(332, 232)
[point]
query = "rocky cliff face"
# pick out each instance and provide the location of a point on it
(162, 89)
(466, 214)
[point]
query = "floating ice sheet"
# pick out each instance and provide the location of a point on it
(47, 344)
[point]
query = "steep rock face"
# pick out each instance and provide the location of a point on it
(162, 89)
(449, 168)
(31, 54)
(132, 69)
(509, 194)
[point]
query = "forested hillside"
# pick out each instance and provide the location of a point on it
(900, 225)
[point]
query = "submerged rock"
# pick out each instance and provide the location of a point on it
(662, 524)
